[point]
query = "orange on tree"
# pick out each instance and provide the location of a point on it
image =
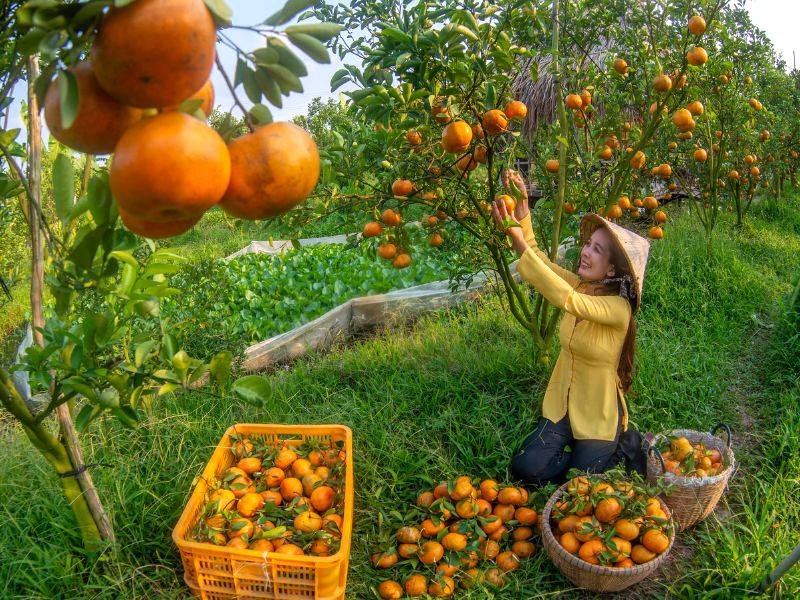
(551, 166)
(467, 163)
(656, 232)
(391, 217)
(605, 153)
(507, 201)
(273, 169)
(586, 98)
(682, 119)
(697, 25)
(696, 108)
(665, 171)
(662, 83)
(620, 66)
(574, 101)
(435, 240)
(100, 120)
(154, 53)
(480, 154)
(414, 137)
(456, 138)
(372, 229)
(697, 56)
(516, 110)
(494, 122)
(700, 155)
(169, 167)
(402, 261)
(638, 160)
(387, 251)
(660, 216)
(157, 231)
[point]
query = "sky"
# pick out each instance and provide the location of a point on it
(778, 18)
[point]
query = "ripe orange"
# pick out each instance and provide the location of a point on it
(586, 98)
(638, 160)
(431, 552)
(523, 548)
(660, 216)
(665, 171)
(650, 202)
(240, 526)
(655, 540)
(402, 187)
(507, 561)
(372, 229)
(407, 535)
(607, 509)
(237, 543)
(157, 231)
(620, 66)
(463, 488)
(169, 167)
(416, 585)
(700, 155)
(590, 550)
(569, 542)
(291, 488)
(682, 118)
(322, 498)
(387, 251)
(436, 240)
(522, 533)
(439, 110)
(509, 202)
(510, 495)
(697, 25)
(574, 101)
(333, 524)
(390, 590)
(249, 465)
(605, 153)
(525, 515)
(697, 56)
(100, 120)
(656, 232)
(273, 170)
(154, 53)
(615, 212)
(516, 110)
(621, 548)
(443, 587)
(454, 541)
(291, 549)
(249, 504)
(401, 261)
(494, 122)
(662, 83)
(624, 202)
(467, 163)
(384, 560)
(494, 577)
(301, 467)
(431, 529)
(641, 555)
(285, 458)
(262, 545)
(696, 108)
(551, 166)
(391, 217)
(224, 499)
(456, 138)
(480, 153)
(414, 137)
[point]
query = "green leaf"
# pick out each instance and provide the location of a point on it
(63, 186)
(288, 58)
(125, 257)
(69, 98)
(220, 368)
(260, 114)
(491, 97)
(240, 73)
(251, 87)
(169, 346)
(85, 416)
(99, 198)
(126, 416)
(266, 56)
(286, 79)
(467, 32)
(321, 31)
(311, 46)
(29, 43)
(253, 389)
(143, 350)
(291, 9)
(269, 87)
(221, 10)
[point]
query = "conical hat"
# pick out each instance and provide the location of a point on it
(635, 248)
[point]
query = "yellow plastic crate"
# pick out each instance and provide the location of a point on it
(221, 573)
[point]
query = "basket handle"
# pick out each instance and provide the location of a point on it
(653, 451)
(727, 429)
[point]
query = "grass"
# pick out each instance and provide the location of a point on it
(452, 394)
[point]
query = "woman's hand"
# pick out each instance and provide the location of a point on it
(513, 182)
(510, 225)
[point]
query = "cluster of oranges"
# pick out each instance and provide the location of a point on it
(148, 58)
(287, 499)
(468, 532)
(684, 459)
(610, 521)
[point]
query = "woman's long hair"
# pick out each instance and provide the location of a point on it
(626, 358)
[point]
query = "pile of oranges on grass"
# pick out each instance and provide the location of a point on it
(148, 58)
(611, 520)
(684, 459)
(287, 499)
(467, 532)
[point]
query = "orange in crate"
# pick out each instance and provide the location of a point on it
(219, 572)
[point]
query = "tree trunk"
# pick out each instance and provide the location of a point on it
(87, 501)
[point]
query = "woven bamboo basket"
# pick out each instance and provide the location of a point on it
(595, 578)
(692, 499)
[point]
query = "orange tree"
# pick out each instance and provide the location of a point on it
(131, 78)
(438, 82)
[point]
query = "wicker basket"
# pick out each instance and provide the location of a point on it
(692, 498)
(595, 578)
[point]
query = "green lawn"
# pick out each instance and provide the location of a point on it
(453, 394)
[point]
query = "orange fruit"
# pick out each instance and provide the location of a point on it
(467, 508)
(696, 108)
(516, 110)
(456, 138)
(372, 229)
(620, 66)
(413, 137)
(249, 465)
(605, 153)
(568, 523)
(641, 555)
(154, 53)
(416, 585)
(290, 549)
(655, 540)
(467, 163)
(569, 542)
(494, 577)
(272, 496)
(661, 217)
(504, 511)
(665, 171)
(507, 561)
(494, 122)
(285, 458)
(585, 529)
(100, 120)
(454, 541)
(463, 488)
(401, 261)
(291, 488)
(441, 490)
(402, 187)
(240, 526)
(262, 545)
(390, 590)
(622, 549)
(551, 166)
(638, 160)
(237, 543)
(522, 533)
(273, 476)
(489, 489)
(523, 548)
(169, 167)
(301, 467)
(435, 240)
(307, 522)
(205, 94)
(431, 552)
(586, 98)
(590, 550)
(425, 499)
(508, 201)
(650, 202)
(322, 498)
(157, 231)
(391, 217)
(384, 560)
(333, 524)
(273, 170)
(525, 515)
(697, 56)
(697, 25)
(656, 232)
(625, 563)
(443, 587)
(480, 154)
(607, 510)
(700, 155)
(224, 499)
(387, 251)
(662, 83)
(574, 101)
(489, 549)
(249, 504)
(407, 535)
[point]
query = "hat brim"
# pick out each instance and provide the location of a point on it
(634, 247)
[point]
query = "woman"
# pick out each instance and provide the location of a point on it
(584, 405)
